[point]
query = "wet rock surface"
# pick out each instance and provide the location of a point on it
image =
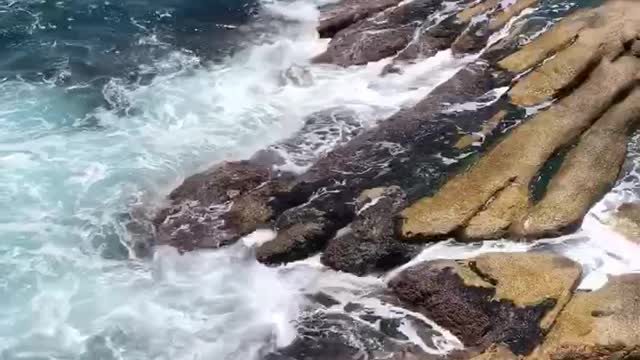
(496, 188)
(335, 337)
(504, 298)
(195, 217)
(370, 243)
(602, 324)
(464, 32)
(588, 171)
(346, 13)
(406, 151)
(333, 330)
(380, 36)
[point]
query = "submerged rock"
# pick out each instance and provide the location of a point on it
(600, 324)
(327, 335)
(499, 298)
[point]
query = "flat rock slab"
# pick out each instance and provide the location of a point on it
(493, 194)
(508, 298)
(579, 43)
(602, 324)
(588, 171)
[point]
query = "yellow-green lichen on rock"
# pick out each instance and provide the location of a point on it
(605, 34)
(529, 278)
(586, 174)
(516, 159)
(551, 41)
(602, 324)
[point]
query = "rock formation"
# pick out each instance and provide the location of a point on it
(444, 169)
(590, 76)
(506, 298)
(626, 220)
(603, 324)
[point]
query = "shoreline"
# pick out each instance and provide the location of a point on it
(373, 200)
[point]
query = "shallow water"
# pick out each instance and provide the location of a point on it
(105, 106)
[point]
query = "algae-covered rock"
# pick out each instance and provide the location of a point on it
(587, 173)
(601, 324)
(497, 298)
(604, 32)
(490, 189)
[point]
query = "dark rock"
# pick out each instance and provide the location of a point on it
(216, 207)
(351, 307)
(305, 230)
(473, 39)
(371, 243)
(406, 151)
(430, 40)
(221, 183)
(485, 300)
(323, 299)
(324, 336)
(372, 319)
(390, 328)
(379, 36)
(294, 243)
(252, 210)
(194, 218)
(349, 12)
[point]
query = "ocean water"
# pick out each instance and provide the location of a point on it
(105, 106)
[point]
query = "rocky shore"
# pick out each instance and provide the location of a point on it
(371, 203)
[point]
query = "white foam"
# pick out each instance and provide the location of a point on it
(258, 237)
